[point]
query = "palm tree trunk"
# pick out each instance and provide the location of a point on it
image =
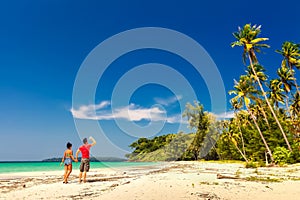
(266, 119)
(287, 106)
(265, 116)
(261, 135)
(244, 156)
(264, 113)
(243, 143)
(271, 108)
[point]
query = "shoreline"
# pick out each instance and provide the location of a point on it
(60, 171)
(168, 180)
(94, 165)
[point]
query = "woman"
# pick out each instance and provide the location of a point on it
(67, 160)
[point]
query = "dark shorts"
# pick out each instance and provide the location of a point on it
(84, 165)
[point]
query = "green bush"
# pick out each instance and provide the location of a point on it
(281, 155)
(295, 155)
(251, 164)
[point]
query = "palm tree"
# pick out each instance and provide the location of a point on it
(244, 89)
(276, 91)
(248, 38)
(263, 78)
(233, 138)
(291, 57)
(295, 106)
(286, 77)
(260, 73)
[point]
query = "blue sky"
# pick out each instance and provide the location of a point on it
(43, 44)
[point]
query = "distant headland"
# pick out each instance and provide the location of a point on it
(92, 159)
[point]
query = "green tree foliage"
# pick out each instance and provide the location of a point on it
(248, 38)
(182, 146)
(168, 147)
(198, 120)
(143, 145)
(281, 155)
(265, 126)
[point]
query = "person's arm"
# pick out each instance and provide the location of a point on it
(75, 160)
(77, 152)
(93, 141)
(63, 159)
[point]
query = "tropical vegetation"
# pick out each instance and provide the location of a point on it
(265, 127)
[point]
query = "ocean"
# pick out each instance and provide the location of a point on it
(12, 167)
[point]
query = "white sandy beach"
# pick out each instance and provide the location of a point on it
(170, 181)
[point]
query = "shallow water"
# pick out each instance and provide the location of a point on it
(12, 167)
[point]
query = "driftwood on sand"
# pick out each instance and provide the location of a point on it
(220, 176)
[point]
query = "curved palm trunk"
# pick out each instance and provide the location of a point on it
(244, 156)
(261, 135)
(243, 143)
(261, 108)
(287, 106)
(264, 114)
(265, 117)
(266, 98)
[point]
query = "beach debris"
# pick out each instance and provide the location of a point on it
(127, 182)
(114, 185)
(220, 176)
(268, 187)
(112, 178)
(206, 196)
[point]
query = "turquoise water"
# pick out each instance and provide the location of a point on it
(11, 167)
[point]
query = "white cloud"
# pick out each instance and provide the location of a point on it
(169, 100)
(131, 112)
(136, 113)
(225, 115)
(88, 111)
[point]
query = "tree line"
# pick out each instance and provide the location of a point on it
(265, 127)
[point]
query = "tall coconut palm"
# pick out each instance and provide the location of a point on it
(248, 38)
(244, 89)
(291, 57)
(287, 79)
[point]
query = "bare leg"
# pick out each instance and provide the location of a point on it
(68, 173)
(84, 177)
(80, 175)
(65, 175)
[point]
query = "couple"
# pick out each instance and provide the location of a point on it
(85, 159)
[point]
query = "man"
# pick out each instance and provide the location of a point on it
(85, 157)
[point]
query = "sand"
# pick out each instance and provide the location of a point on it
(169, 181)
